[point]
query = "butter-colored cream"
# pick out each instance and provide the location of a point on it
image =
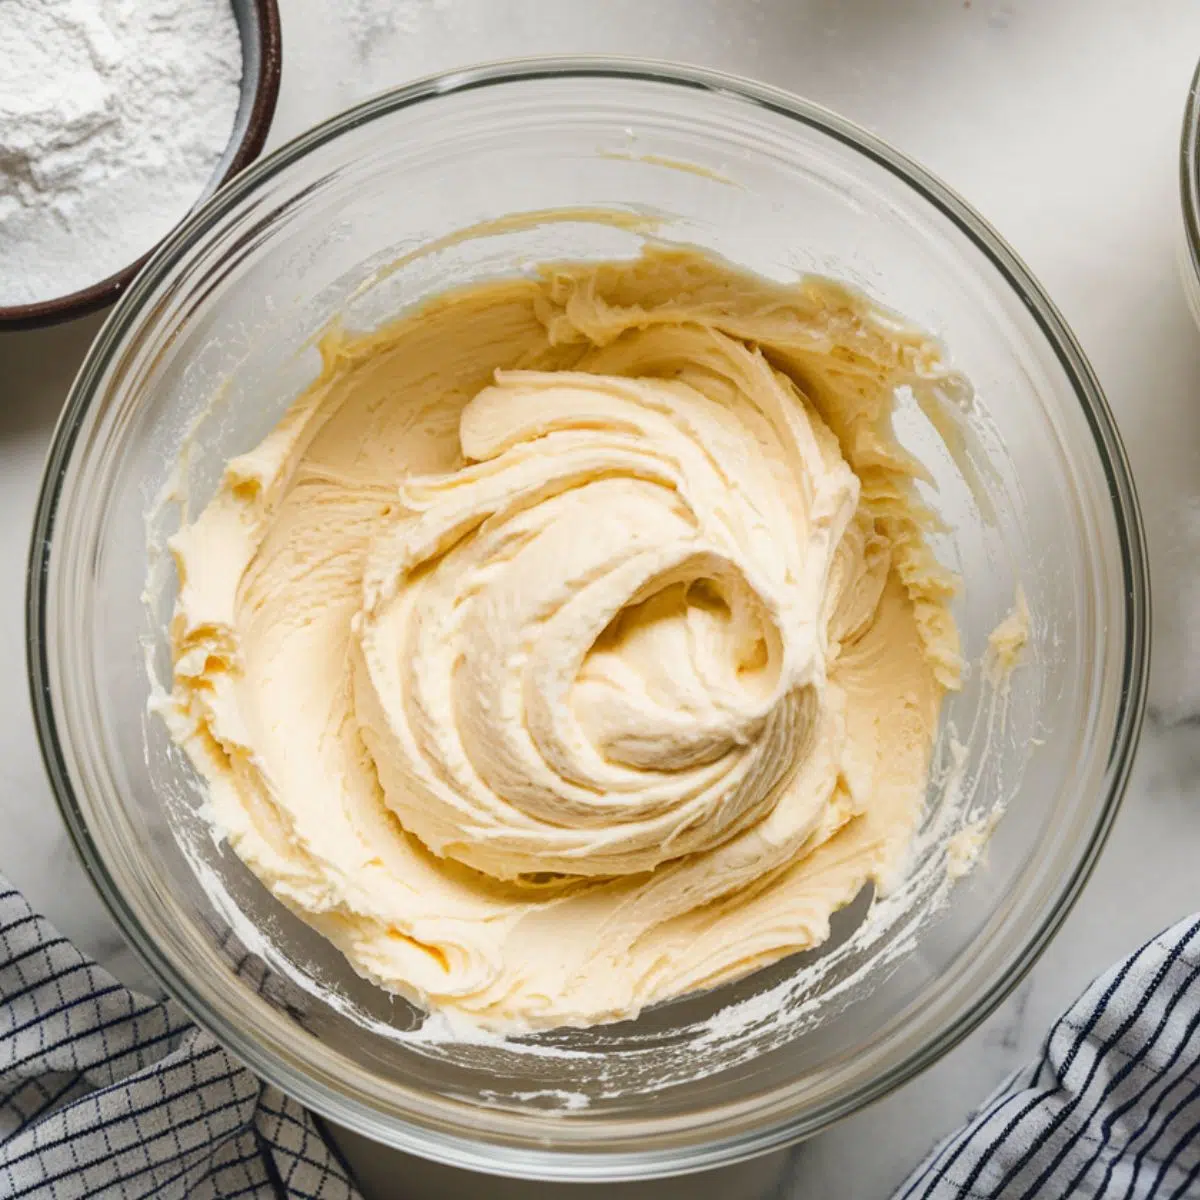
(1007, 641)
(574, 642)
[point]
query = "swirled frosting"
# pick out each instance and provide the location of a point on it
(574, 642)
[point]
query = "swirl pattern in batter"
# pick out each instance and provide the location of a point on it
(574, 643)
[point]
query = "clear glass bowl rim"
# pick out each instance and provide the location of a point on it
(547, 1162)
(1189, 188)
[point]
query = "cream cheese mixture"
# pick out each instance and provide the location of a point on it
(574, 642)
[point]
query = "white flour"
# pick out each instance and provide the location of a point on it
(113, 117)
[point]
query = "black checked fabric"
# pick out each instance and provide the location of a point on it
(1111, 1108)
(104, 1093)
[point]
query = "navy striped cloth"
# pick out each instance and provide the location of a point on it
(104, 1093)
(1111, 1108)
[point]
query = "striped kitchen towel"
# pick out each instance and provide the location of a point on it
(1110, 1109)
(104, 1093)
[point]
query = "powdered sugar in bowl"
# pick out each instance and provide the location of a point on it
(116, 120)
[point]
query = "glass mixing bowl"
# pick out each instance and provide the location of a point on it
(200, 359)
(1189, 195)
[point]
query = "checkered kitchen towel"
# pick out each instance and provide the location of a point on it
(1112, 1107)
(104, 1093)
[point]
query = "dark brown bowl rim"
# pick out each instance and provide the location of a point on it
(98, 295)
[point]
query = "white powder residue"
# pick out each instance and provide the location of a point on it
(1008, 639)
(114, 115)
(367, 22)
(965, 847)
(559, 1100)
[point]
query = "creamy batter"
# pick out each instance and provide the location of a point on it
(574, 642)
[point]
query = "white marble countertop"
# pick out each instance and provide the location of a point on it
(1059, 120)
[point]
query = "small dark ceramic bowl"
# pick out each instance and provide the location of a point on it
(258, 24)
